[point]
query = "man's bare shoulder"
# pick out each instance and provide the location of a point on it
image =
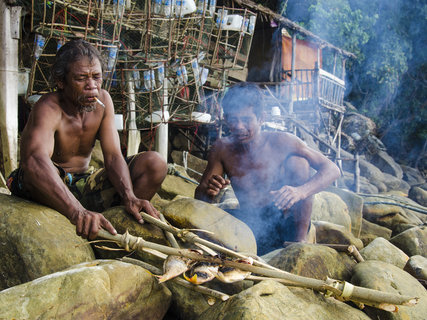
(281, 138)
(48, 103)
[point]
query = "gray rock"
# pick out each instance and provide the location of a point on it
(373, 174)
(382, 250)
(272, 300)
(36, 241)
(195, 165)
(177, 183)
(383, 161)
(386, 277)
(331, 233)
(313, 261)
(347, 182)
(412, 241)
(330, 207)
(417, 267)
(382, 211)
(418, 194)
(225, 229)
(393, 183)
(371, 231)
(412, 176)
(93, 290)
(355, 208)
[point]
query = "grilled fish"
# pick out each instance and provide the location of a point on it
(201, 272)
(230, 274)
(173, 266)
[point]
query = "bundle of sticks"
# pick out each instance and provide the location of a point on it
(228, 266)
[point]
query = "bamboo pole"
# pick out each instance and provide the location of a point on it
(339, 289)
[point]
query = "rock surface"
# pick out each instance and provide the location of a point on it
(412, 241)
(36, 241)
(385, 277)
(330, 207)
(99, 289)
(382, 250)
(192, 213)
(272, 300)
(417, 267)
(331, 233)
(313, 261)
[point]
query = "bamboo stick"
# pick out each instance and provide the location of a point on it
(168, 234)
(340, 289)
(182, 282)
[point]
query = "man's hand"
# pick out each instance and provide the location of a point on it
(286, 197)
(135, 206)
(88, 223)
(215, 184)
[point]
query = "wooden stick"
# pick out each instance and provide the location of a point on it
(182, 282)
(340, 289)
(168, 234)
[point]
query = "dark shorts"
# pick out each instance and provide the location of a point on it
(92, 188)
(269, 226)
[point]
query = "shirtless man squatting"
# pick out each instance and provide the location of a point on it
(269, 172)
(57, 142)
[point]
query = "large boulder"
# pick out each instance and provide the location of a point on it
(36, 241)
(330, 233)
(373, 174)
(417, 267)
(371, 231)
(386, 277)
(330, 207)
(222, 227)
(272, 300)
(412, 241)
(387, 212)
(355, 208)
(313, 261)
(193, 165)
(383, 161)
(382, 250)
(100, 289)
(177, 182)
(418, 193)
(412, 176)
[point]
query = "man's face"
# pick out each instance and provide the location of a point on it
(244, 125)
(83, 82)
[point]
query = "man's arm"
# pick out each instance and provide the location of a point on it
(212, 180)
(327, 172)
(41, 177)
(116, 166)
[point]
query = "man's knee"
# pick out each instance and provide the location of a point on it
(150, 163)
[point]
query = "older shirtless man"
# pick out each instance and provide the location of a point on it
(269, 172)
(57, 143)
